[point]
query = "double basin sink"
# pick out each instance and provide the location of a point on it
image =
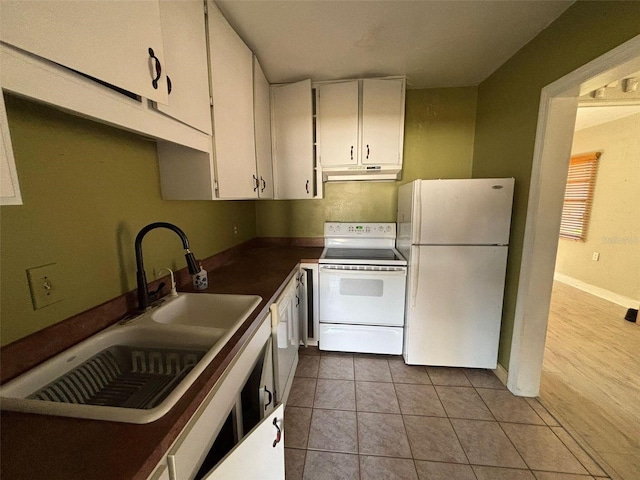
(134, 371)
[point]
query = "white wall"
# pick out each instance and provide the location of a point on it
(614, 229)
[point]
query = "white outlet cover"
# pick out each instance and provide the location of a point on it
(44, 285)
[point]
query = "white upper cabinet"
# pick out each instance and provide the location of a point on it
(108, 40)
(231, 64)
(337, 126)
(262, 114)
(9, 187)
(382, 121)
(292, 132)
(360, 128)
(185, 49)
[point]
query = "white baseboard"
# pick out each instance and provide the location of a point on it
(597, 291)
(502, 374)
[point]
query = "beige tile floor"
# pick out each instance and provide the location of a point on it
(365, 417)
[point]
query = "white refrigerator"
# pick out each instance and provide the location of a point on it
(454, 235)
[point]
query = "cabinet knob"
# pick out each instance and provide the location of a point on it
(158, 67)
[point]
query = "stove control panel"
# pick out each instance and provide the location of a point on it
(362, 230)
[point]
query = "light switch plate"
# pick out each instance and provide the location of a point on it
(44, 285)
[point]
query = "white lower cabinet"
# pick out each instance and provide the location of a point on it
(286, 339)
(161, 473)
(236, 432)
(260, 455)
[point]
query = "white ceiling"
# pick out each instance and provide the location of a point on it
(435, 43)
(599, 114)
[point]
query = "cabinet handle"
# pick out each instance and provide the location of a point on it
(351, 152)
(168, 85)
(278, 435)
(367, 152)
(297, 301)
(264, 184)
(270, 397)
(307, 186)
(256, 183)
(154, 82)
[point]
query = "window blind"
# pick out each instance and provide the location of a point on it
(578, 195)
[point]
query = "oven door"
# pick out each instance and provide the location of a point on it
(362, 295)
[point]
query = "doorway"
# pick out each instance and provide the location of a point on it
(556, 120)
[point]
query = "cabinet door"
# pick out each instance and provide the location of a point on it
(267, 382)
(338, 123)
(185, 48)
(260, 454)
(303, 313)
(232, 92)
(292, 123)
(107, 40)
(9, 187)
(382, 121)
(262, 115)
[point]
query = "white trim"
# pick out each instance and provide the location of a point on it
(608, 295)
(502, 374)
(556, 119)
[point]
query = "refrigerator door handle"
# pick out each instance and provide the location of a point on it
(415, 278)
(417, 219)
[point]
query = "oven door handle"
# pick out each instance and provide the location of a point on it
(358, 273)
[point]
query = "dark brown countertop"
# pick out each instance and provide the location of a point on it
(48, 447)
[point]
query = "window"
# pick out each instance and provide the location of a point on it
(578, 195)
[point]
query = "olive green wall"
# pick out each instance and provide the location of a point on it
(438, 143)
(508, 104)
(87, 190)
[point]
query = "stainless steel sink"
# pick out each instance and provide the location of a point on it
(133, 372)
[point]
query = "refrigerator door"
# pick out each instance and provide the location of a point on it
(454, 305)
(406, 223)
(463, 212)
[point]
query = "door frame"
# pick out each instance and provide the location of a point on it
(554, 136)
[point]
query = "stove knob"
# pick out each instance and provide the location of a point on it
(381, 228)
(388, 229)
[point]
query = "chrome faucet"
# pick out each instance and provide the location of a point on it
(192, 264)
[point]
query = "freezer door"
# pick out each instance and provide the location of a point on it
(464, 211)
(454, 305)
(405, 218)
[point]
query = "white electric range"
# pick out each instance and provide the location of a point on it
(362, 289)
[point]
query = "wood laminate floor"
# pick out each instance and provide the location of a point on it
(591, 377)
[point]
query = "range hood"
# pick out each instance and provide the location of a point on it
(361, 172)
